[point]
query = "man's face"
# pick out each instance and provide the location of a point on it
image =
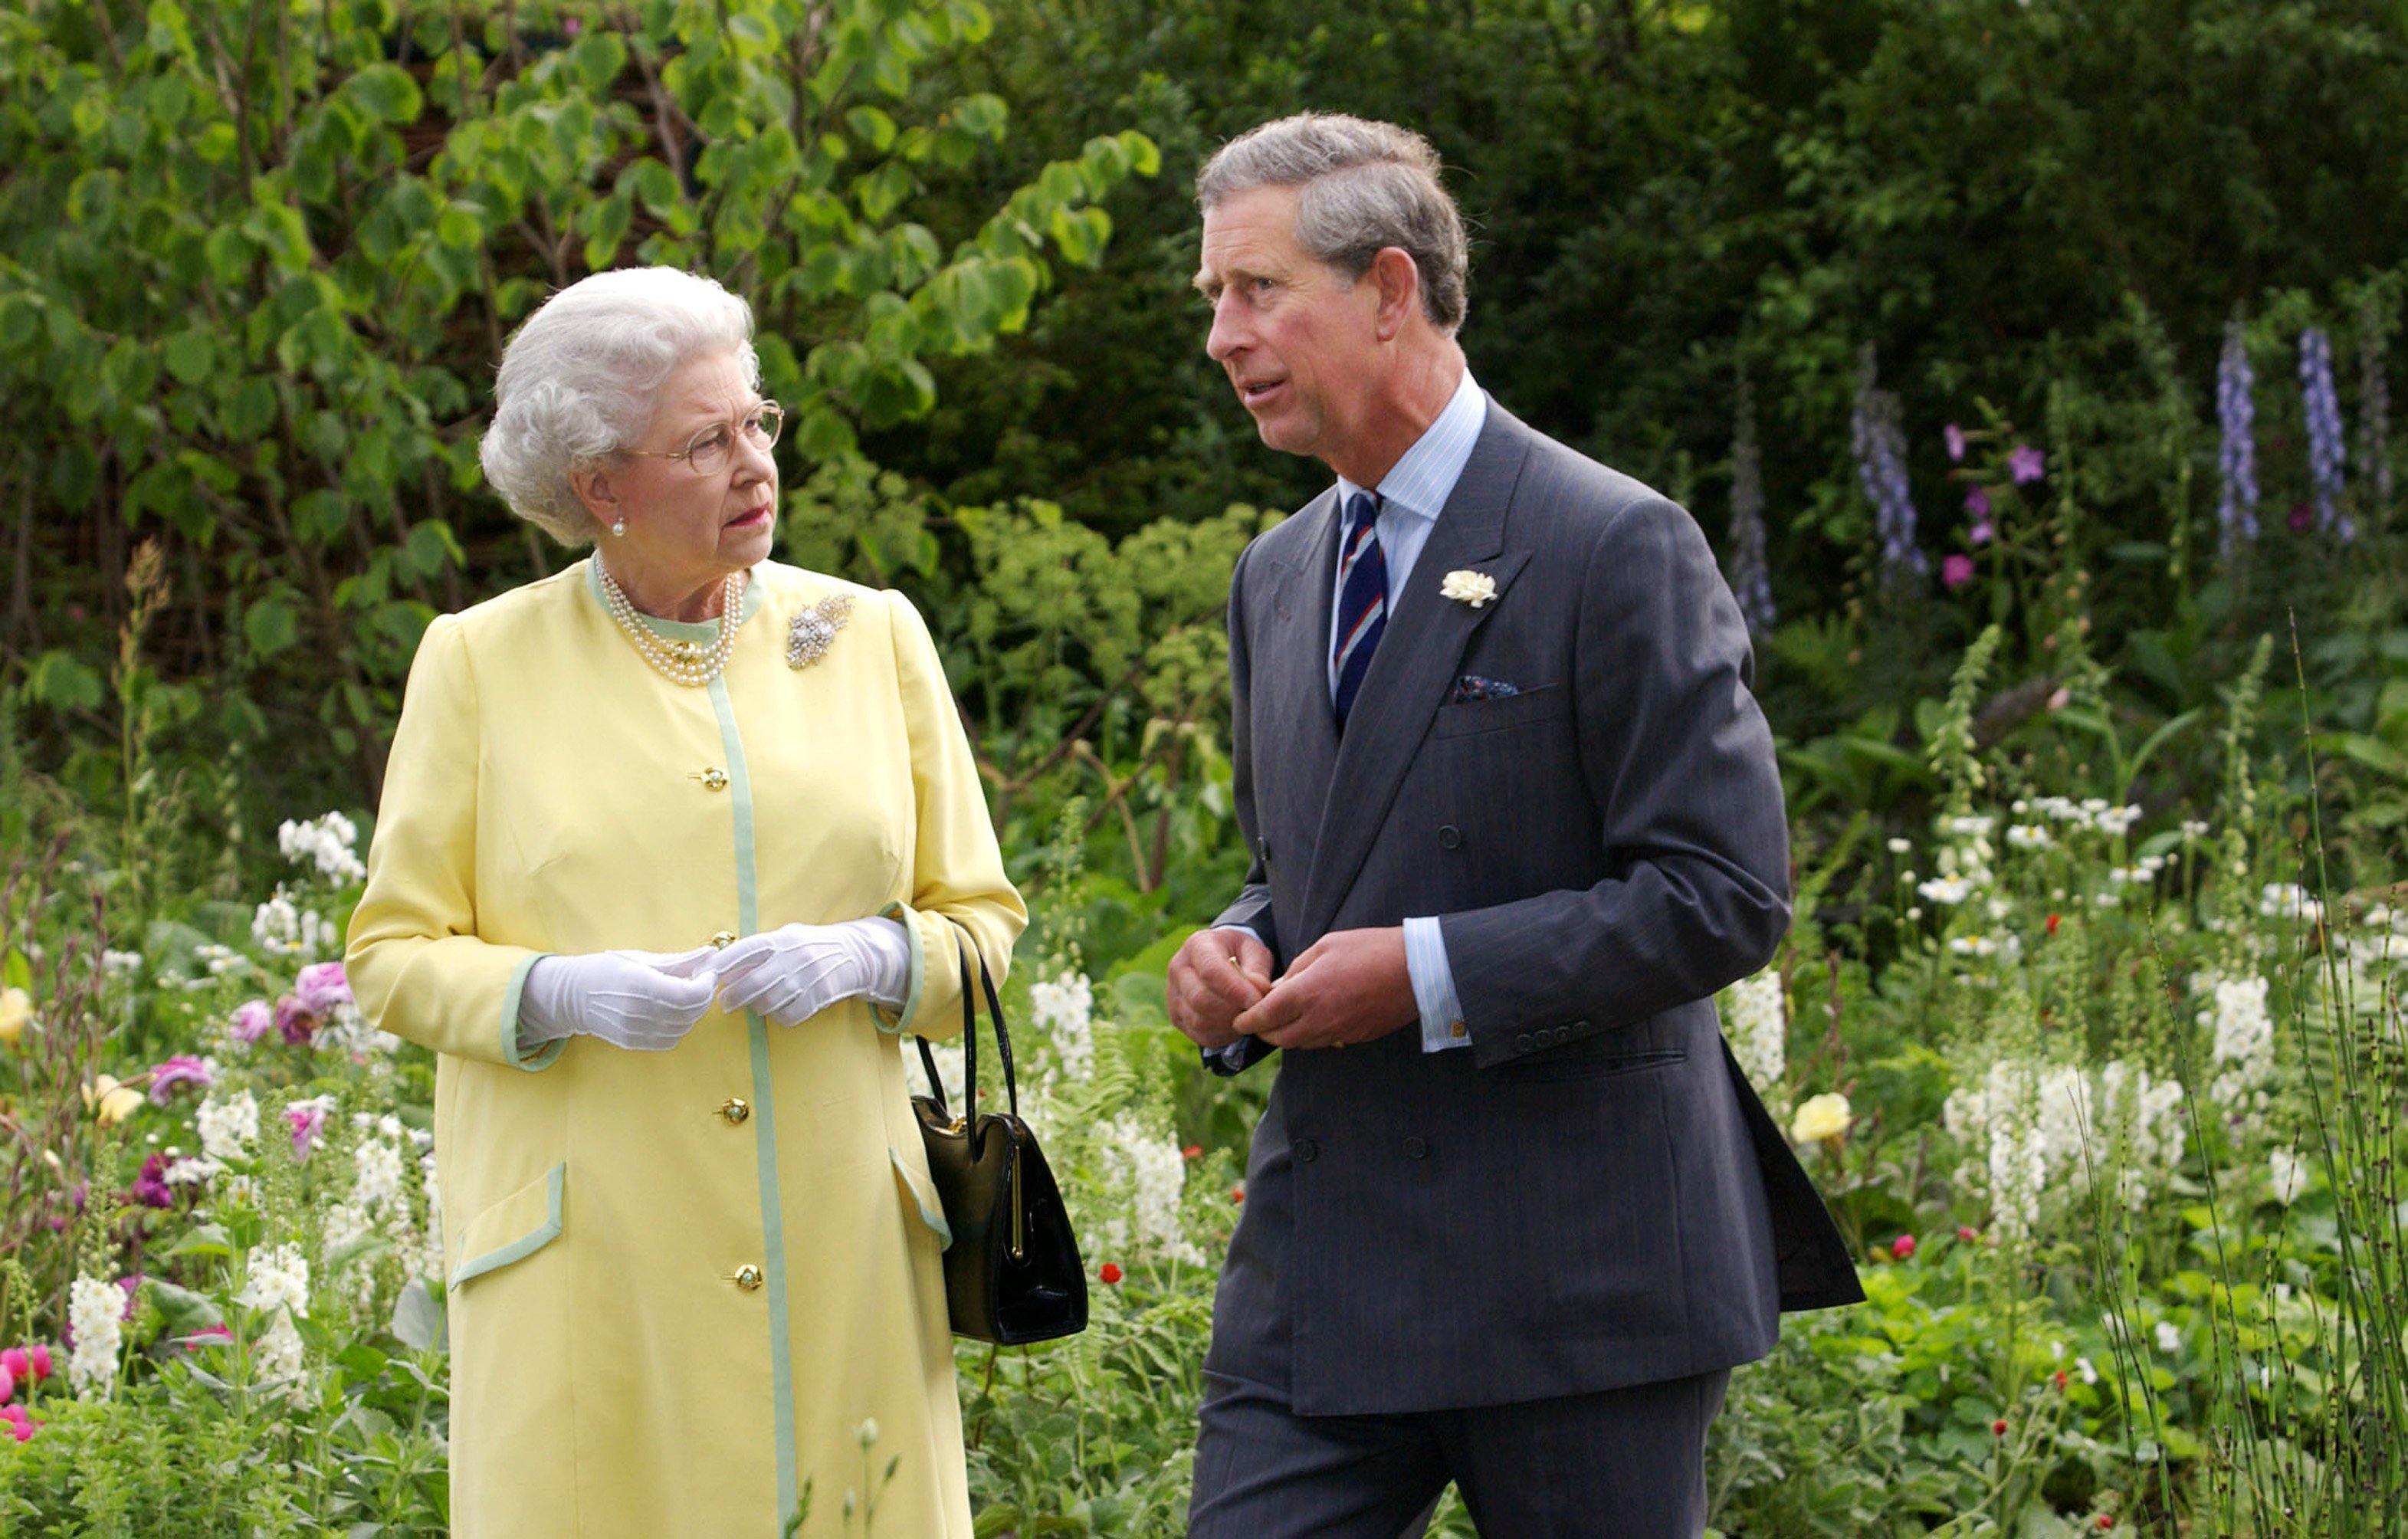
(1298, 339)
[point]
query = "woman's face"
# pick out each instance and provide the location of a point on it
(687, 529)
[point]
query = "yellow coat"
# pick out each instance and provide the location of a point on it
(681, 1283)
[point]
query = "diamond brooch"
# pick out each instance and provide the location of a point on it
(815, 629)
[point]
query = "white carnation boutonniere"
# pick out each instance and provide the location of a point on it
(1477, 589)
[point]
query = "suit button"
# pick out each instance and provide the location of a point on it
(1416, 1149)
(1449, 837)
(1580, 1026)
(1307, 1150)
(748, 1277)
(723, 939)
(1524, 1043)
(713, 778)
(735, 1111)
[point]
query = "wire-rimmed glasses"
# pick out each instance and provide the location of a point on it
(714, 446)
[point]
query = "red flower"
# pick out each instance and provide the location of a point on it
(2052, 923)
(2105, 1522)
(1903, 1247)
(1193, 1151)
(1238, 1192)
(1967, 1234)
(1111, 1273)
(1999, 1427)
(2060, 1378)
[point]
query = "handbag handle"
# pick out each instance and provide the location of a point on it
(968, 948)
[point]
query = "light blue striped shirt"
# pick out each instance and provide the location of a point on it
(1412, 494)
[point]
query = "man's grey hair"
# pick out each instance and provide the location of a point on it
(1364, 186)
(578, 382)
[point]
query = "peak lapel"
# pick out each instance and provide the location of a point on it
(1410, 673)
(1291, 679)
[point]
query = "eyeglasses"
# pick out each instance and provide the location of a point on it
(713, 447)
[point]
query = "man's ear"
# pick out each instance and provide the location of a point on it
(1399, 283)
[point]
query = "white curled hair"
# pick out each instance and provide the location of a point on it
(578, 382)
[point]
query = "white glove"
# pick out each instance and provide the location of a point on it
(643, 1001)
(795, 971)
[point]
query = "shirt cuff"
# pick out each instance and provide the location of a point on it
(1227, 1055)
(1434, 994)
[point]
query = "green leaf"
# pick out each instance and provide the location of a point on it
(386, 93)
(203, 1239)
(418, 1317)
(62, 680)
(270, 627)
(190, 355)
(184, 1310)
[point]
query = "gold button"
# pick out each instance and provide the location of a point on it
(713, 778)
(735, 1111)
(1458, 1030)
(723, 939)
(748, 1277)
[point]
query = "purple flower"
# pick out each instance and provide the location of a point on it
(2236, 510)
(150, 1189)
(321, 988)
(1750, 581)
(1880, 447)
(1980, 534)
(1977, 502)
(308, 1119)
(132, 1284)
(181, 1070)
(2025, 464)
(1954, 436)
(294, 1021)
(2303, 518)
(252, 1019)
(1957, 570)
(2327, 452)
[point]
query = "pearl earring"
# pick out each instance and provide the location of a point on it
(618, 528)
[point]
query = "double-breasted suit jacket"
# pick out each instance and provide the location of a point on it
(1574, 777)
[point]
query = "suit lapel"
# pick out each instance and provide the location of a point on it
(1417, 658)
(1292, 679)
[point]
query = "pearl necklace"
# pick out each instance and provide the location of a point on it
(680, 662)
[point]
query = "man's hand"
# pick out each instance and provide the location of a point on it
(1217, 974)
(1351, 985)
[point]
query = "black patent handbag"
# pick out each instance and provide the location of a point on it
(1012, 1274)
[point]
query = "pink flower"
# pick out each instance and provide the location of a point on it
(308, 1119)
(30, 1364)
(20, 1422)
(7, 1384)
(1977, 502)
(181, 1070)
(2025, 463)
(206, 1336)
(1903, 1247)
(252, 1019)
(321, 988)
(1954, 436)
(1980, 534)
(294, 1021)
(1957, 570)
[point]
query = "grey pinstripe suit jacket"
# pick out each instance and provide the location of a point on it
(1590, 1196)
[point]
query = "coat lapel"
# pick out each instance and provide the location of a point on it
(1292, 680)
(1410, 674)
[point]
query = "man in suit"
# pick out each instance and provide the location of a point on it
(1512, 1216)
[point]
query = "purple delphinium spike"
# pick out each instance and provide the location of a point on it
(2236, 513)
(2374, 408)
(1751, 580)
(2328, 453)
(1881, 466)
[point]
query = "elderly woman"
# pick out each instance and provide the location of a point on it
(674, 845)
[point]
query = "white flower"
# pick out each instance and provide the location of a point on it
(2115, 820)
(1466, 586)
(276, 1357)
(2243, 1054)
(278, 1279)
(326, 844)
(192, 1172)
(1945, 889)
(1973, 945)
(120, 963)
(1064, 1011)
(2083, 1367)
(282, 929)
(2168, 1337)
(227, 1127)
(1900, 846)
(377, 1184)
(2284, 900)
(1156, 1174)
(96, 1310)
(1760, 1030)
(2288, 1173)
(1973, 827)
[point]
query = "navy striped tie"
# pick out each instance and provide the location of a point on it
(1362, 599)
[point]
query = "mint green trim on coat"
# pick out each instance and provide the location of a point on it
(525, 1245)
(764, 1106)
(925, 1198)
(893, 1023)
(513, 1053)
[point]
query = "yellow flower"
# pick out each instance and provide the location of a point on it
(1823, 1117)
(16, 1008)
(110, 1102)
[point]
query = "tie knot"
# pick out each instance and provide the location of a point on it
(1361, 509)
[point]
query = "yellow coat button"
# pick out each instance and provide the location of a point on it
(748, 1277)
(723, 939)
(713, 778)
(735, 1111)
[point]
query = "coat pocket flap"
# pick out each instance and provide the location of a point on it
(922, 1192)
(513, 1229)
